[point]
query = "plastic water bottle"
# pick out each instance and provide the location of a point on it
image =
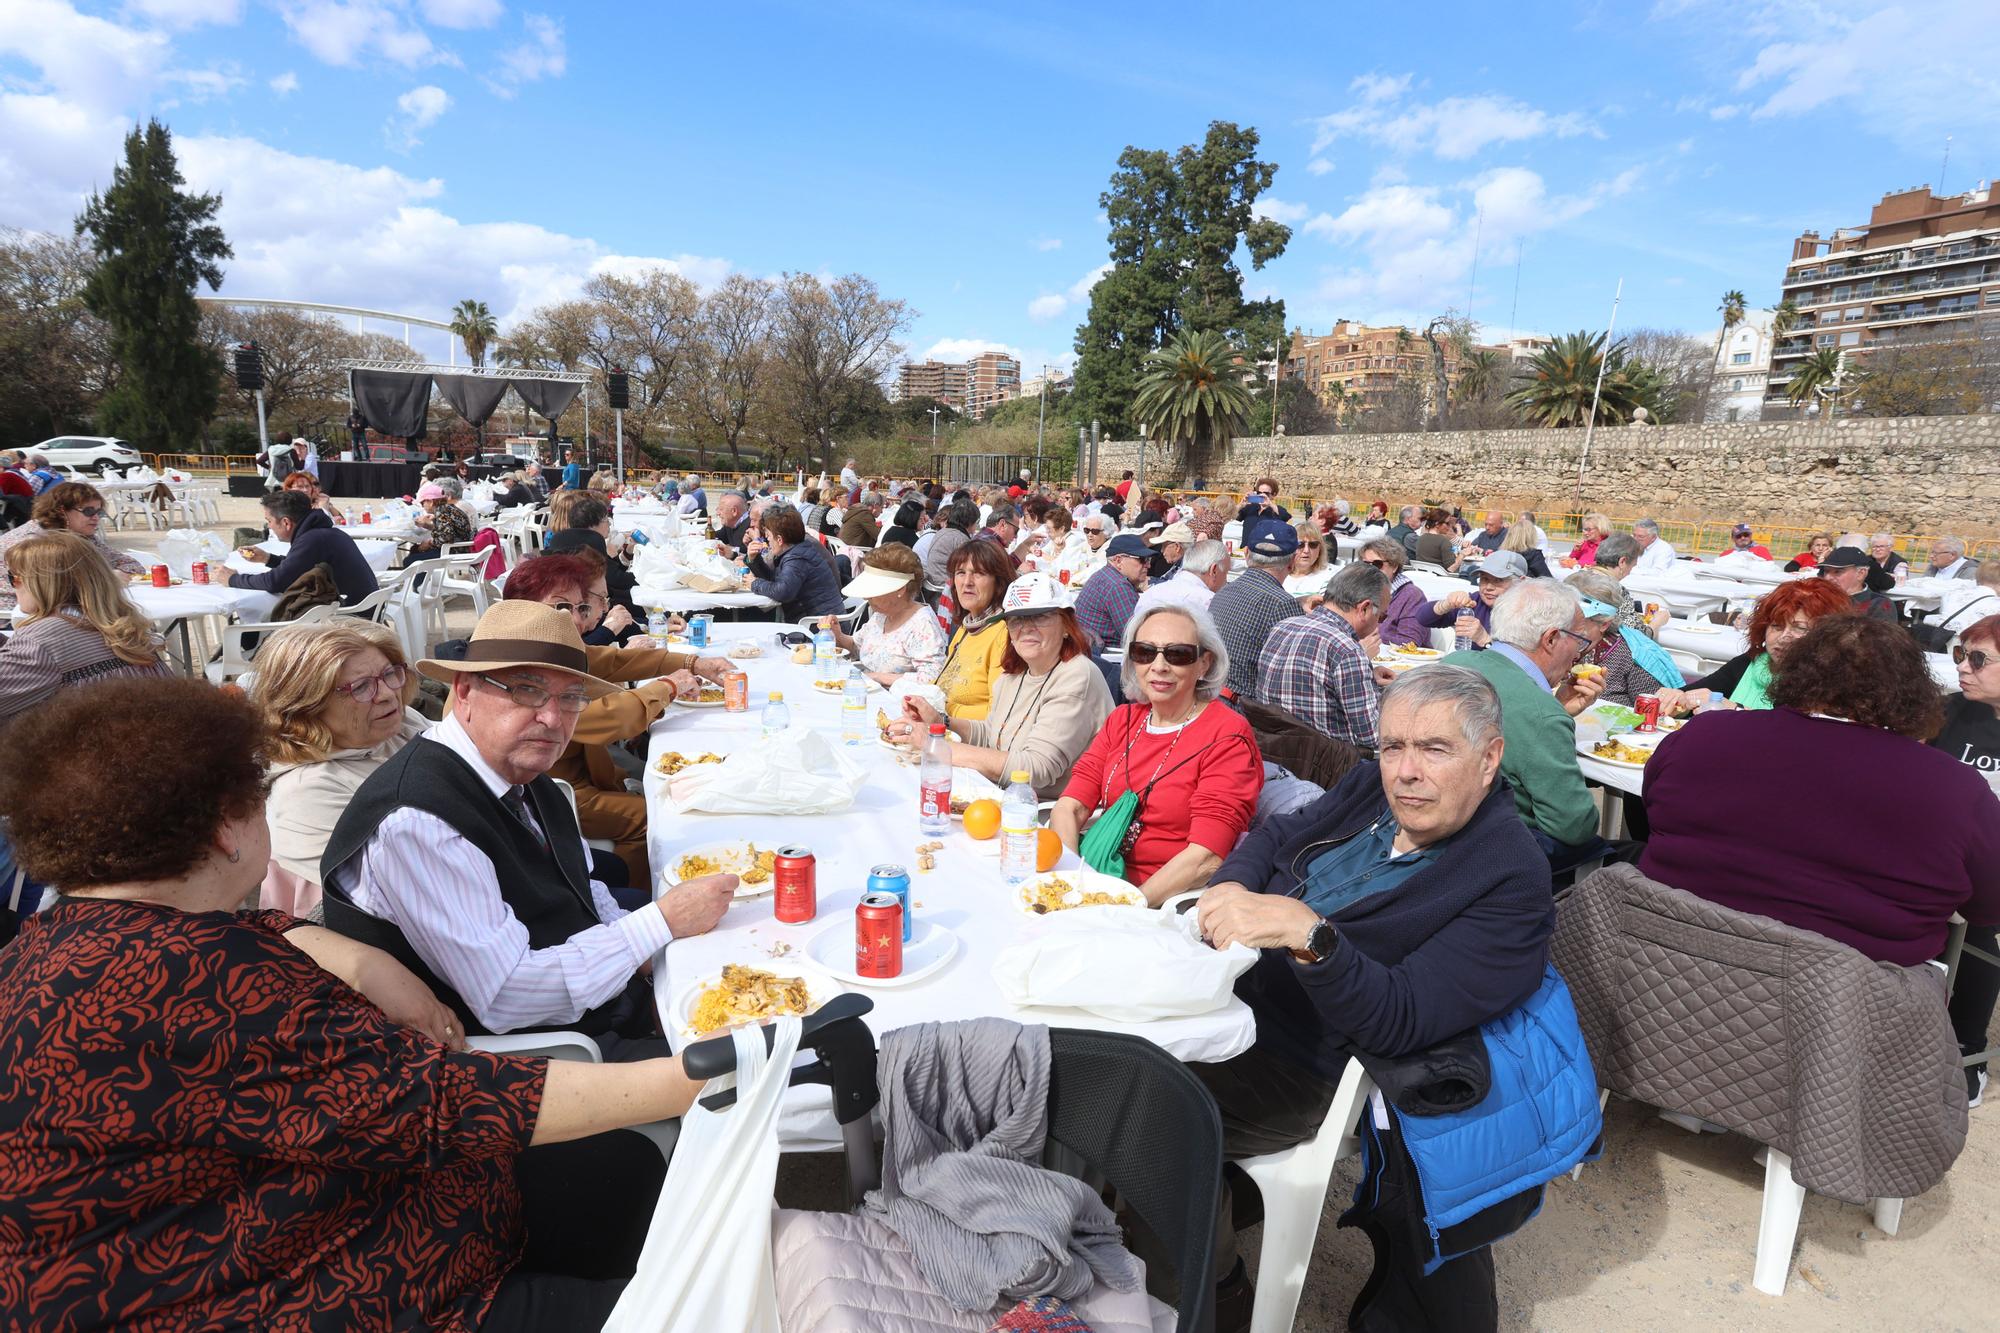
(854, 709)
(1019, 832)
(934, 777)
(824, 648)
(777, 715)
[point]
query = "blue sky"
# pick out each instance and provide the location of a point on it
(401, 154)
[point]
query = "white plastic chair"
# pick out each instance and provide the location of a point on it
(1689, 663)
(462, 577)
(1293, 1182)
(235, 661)
(569, 794)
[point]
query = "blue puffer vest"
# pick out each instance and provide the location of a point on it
(1539, 1118)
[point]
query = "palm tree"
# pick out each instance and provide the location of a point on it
(475, 326)
(1816, 370)
(1784, 317)
(1555, 388)
(1733, 305)
(1192, 391)
(1478, 373)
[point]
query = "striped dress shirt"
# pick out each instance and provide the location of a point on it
(426, 878)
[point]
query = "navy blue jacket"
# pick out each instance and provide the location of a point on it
(317, 542)
(1463, 940)
(802, 581)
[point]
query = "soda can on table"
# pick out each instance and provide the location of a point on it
(890, 878)
(878, 936)
(735, 691)
(797, 877)
(198, 572)
(161, 578)
(1648, 708)
(698, 631)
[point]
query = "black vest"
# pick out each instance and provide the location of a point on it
(546, 888)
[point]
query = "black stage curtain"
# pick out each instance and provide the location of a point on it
(548, 397)
(360, 481)
(474, 396)
(391, 401)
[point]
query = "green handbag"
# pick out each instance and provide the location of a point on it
(1102, 847)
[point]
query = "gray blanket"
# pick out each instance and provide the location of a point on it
(965, 1114)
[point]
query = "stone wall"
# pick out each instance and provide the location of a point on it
(1905, 474)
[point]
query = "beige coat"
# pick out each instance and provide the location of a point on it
(307, 800)
(1043, 722)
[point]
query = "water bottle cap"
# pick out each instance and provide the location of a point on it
(777, 696)
(1019, 775)
(937, 728)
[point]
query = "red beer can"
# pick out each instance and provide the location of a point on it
(797, 877)
(878, 937)
(160, 577)
(1648, 708)
(735, 691)
(198, 572)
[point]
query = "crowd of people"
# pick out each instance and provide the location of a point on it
(371, 855)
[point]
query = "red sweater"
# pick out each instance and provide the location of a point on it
(1210, 774)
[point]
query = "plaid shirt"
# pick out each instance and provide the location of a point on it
(1105, 605)
(1245, 610)
(1314, 668)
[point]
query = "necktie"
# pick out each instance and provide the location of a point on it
(516, 800)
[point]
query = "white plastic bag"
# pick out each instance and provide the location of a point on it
(1121, 963)
(797, 772)
(706, 1265)
(181, 547)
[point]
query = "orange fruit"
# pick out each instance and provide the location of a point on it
(1048, 850)
(982, 819)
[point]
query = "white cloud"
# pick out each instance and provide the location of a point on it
(542, 56)
(1032, 359)
(461, 13)
(186, 13)
(203, 85)
(1048, 243)
(1454, 128)
(1049, 305)
(284, 85)
(416, 111)
(1278, 210)
(343, 32)
(1319, 166)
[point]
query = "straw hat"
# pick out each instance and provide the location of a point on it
(522, 634)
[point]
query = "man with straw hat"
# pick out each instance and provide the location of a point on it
(462, 858)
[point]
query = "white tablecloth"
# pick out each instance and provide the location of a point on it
(1688, 593)
(164, 606)
(964, 893)
(379, 554)
(681, 601)
(1925, 594)
(1705, 638)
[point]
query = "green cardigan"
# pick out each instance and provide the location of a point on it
(1540, 760)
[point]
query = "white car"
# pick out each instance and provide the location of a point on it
(88, 453)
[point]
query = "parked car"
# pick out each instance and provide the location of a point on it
(88, 453)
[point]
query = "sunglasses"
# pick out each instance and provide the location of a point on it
(1312, 543)
(1177, 654)
(1376, 562)
(1977, 660)
(365, 690)
(91, 511)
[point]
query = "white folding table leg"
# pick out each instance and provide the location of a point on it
(1784, 1200)
(1888, 1215)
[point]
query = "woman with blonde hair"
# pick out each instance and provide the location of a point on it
(336, 695)
(1596, 527)
(1311, 570)
(1523, 538)
(78, 626)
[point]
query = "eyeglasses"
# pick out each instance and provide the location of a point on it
(1977, 660)
(1177, 654)
(588, 605)
(1583, 639)
(535, 698)
(91, 511)
(365, 690)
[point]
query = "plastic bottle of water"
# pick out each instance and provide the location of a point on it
(824, 648)
(777, 716)
(934, 777)
(854, 726)
(1019, 832)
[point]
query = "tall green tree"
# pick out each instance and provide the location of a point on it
(475, 326)
(154, 243)
(1192, 396)
(1784, 317)
(1178, 221)
(1555, 388)
(1731, 309)
(1818, 369)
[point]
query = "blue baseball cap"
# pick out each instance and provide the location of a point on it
(1128, 543)
(1270, 537)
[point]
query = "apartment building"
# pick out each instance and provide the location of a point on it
(1355, 366)
(991, 378)
(1742, 369)
(1922, 265)
(940, 381)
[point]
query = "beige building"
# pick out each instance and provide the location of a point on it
(1355, 366)
(1922, 265)
(942, 381)
(991, 378)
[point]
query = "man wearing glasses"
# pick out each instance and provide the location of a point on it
(463, 859)
(1539, 630)
(1105, 603)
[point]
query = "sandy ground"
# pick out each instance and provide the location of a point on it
(1659, 1233)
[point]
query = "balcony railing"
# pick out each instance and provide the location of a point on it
(1958, 254)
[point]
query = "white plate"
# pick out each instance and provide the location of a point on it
(731, 858)
(1409, 653)
(1700, 627)
(819, 989)
(1085, 879)
(1643, 740)
(723, 702)
(929, 948)
(1399, 663)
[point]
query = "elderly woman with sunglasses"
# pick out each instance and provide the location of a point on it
(67, 506)
(1173, 777)
(1311, 570)
(1404, 620)
(336, 697)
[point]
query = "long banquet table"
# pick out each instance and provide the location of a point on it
(964, 893)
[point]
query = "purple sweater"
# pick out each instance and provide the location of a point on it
(1402, 621)
(1758, 811)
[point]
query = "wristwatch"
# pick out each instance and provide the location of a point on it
(1319, 943)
